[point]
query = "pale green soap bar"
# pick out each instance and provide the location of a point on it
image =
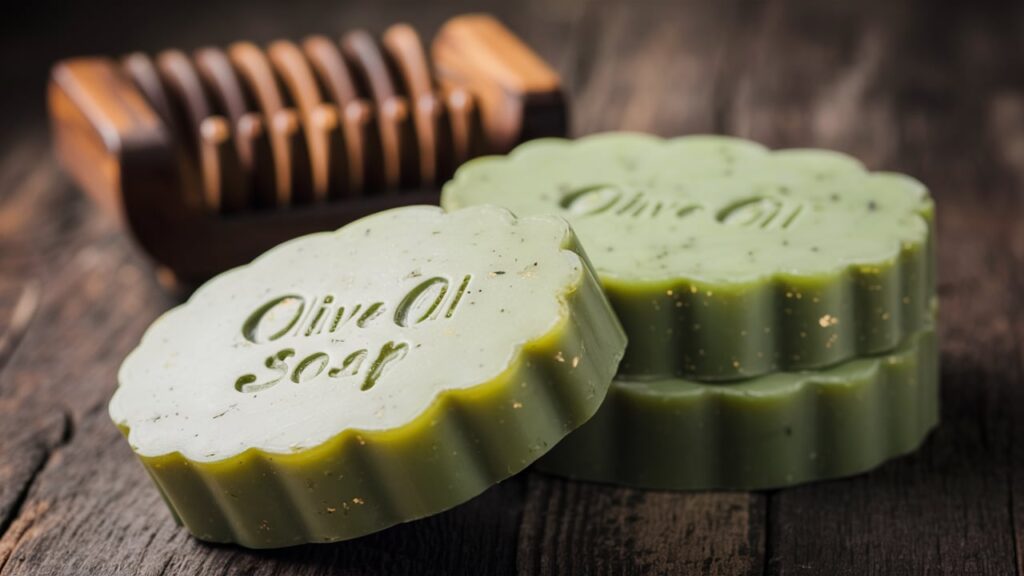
(347, 381)
(768, 432)
(723, 259)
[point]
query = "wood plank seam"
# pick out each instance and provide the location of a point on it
(1009, 498)
(25, 309)
(19, 522)
(19, 529)
(772, 565)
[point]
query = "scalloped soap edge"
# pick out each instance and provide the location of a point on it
(789, 324)
(359, 482)
(362, 482)
(784, 430)
(569, 246)
(764, 338)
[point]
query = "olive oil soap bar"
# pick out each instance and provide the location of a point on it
(726, 260)
(347, 381)
(773, 431)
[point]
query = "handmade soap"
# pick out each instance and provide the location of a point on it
(725, 260)
(776, 430)
(347, 381)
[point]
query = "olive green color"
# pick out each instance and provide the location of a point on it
(777, 430)
(347, 381)
(725, 260)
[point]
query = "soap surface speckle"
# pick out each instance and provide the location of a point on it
(402, 364)
(722, 257)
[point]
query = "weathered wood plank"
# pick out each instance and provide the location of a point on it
(25, 445)
(582, 528)
(27, 435)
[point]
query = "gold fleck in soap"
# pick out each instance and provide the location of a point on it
(347, 381)
(725, 260)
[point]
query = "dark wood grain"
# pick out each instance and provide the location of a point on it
(26, 439)
(935, 89)
(580, 528)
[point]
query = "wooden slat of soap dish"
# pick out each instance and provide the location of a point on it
(223, 177)
(211, 159)
(233, 171)
(397, 145)
(142, 72)
(466, 124)
(258, 77)
(353, 112)
(261, 172)
(326, 120)
(293, 160)
(184, 87)
(229, 98)
(293, 69)
(222, 83)
(430, 117)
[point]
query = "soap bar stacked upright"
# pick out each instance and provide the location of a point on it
(779, 305)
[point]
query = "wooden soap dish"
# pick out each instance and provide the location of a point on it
(213, 157)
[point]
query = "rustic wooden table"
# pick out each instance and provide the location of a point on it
(931, 88)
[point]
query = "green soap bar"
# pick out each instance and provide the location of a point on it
(777, 430)
(347, 381)
(725, 260)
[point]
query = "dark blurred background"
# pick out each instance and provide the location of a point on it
(739, 66)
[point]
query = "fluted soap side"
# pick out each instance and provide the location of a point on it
(473, 396)
(361, 482)
(725, 260)
(774, 431)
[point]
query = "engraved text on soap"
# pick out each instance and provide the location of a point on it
(758, 211)
(298, 316)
